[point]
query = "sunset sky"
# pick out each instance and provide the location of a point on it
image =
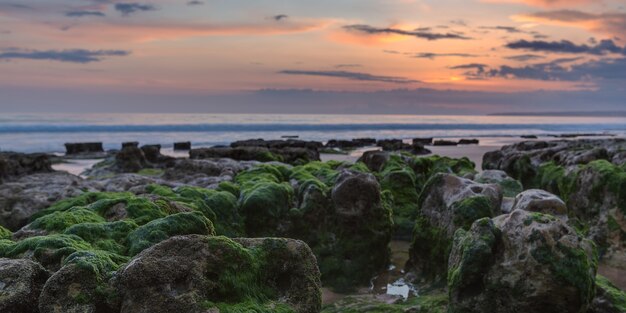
(322, 56)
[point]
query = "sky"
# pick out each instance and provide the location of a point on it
(323, 56)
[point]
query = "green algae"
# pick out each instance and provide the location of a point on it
(151, 172)
(161, 229)
(79, 201)
(48, 250)
(474, 251)
(60, 220)
(428, 303)
(468, 210)
(109, 236)
(5, 233)
(100, 262)
(615, 296)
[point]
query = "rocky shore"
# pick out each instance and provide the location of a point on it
(265, 226)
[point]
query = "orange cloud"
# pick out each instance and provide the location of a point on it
(613, 24)
(547, 3)
(99, 32)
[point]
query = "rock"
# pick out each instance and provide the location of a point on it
(351, 144)
(447, 203)
(418, 149)
(21, 282)
(522, 160)
(393, 145)
(83, 147)
(355, 194)
(130, 160)
(445, 143)
(365, 141)
(22, 198)
(76, 288)
(521, 262)
(536, 200)
(133, 144)
(154, 156)
(510, 187)
(14, 165)
(469, 141)
(608, 299)
(277, 144)
(196, 273)
(374, 160)
(262, 154)
(529, 136)
(186, 145)
(423, 141)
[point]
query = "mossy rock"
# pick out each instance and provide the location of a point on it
(110, 236)
(609, 298)
(424, 303)
(61, 220)
(161, 229)
(520, 261)
(5, 233)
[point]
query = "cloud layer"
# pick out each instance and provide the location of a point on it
(72, 56)
(423, 33)
(353, 76)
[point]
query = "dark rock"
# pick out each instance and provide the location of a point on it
(262, 154)
(393, 145)
(418, 149)
(364, 142)
(131, 159)
(182, 145)
(77, 288)
(83, 147)
(529, 136)
(521, 262)
(447, 203)
(469, 141)
(13, 165)
(277, 144)
(445, 143)
(193, 273)
(21, 282)
(21, 198)
(343, 144)
(536, 200)
(375, 160)
(423, 141)
(132, 144)
(510, 187)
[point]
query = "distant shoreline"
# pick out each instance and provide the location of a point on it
(565, 114)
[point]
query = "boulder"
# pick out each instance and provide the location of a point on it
(133, 144)
(375, 160)
(423, 141)
(83, 147)
(154, 156)
(447, 203)
(130, 160)
(211, 274)
(76, 288)
(22, 198)
(521, 262)
(510, 186)
(537, 200)
(13, 165)
(186, 145)
(469, 141)
(21, 282)
(393, 145)
(355, 194)
(445, 143)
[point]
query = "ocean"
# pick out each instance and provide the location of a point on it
(48, 132)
